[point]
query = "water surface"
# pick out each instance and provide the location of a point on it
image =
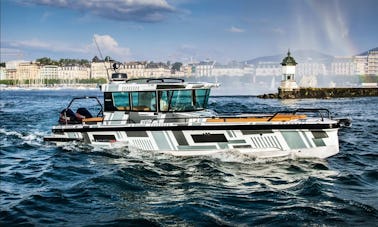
(80, 185)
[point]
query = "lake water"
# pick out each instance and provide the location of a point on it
(78, 185)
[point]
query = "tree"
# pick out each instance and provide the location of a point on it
(177, 66)
(46, 61)
(95, 59)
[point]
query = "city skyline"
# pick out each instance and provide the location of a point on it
(184, 30)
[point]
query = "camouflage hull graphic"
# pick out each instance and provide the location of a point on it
(319, 143)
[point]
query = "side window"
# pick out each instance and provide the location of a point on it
(164, 99)
(121, 100)
(143, 101)
(108, 102)
(201, 98)
(182, 101)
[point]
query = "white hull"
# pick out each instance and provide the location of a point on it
(295, 143)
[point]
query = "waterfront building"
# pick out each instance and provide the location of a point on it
(3, 73)
(189, 69)
(204, 68)
(157, 70)
(29, 73)
(372, 62)
(71, 73)
(147, 69)
(268, 69)
(342, 65)
(11, 70)
(311, 68)
(227, 70)
(134, 69)
(249, 70)
(99, 69)
(49, 72)
(288, 82)
(360, 64)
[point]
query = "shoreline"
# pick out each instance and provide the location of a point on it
(60, 87)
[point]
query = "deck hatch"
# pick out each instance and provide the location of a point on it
(209, 138)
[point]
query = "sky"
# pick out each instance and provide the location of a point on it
(184, 30)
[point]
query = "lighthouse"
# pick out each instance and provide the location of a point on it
(288, 74)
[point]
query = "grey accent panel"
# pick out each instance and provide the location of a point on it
(242, 146)
(170, 140)
(117, 118)
(293, 139)
(319, 142)
(161, 140)
(253, 132)
(237, 141)
(210, 147)
(86, 137)
(223, 145)
(307, 139)
(180, 138)
(277, 142)
(319, 134)
(136, 134)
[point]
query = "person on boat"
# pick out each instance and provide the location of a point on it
(67, 116)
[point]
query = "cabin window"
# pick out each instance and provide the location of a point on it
(164, 97)
(143, 101)
(121, 100)
(183, 100)
(201, 98)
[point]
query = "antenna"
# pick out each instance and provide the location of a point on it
(99, 50)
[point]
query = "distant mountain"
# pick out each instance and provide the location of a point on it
(299, 56)
(366, 52)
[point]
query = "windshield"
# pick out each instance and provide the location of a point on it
(168, 101)
(183, 100)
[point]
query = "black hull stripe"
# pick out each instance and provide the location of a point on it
(200, 127)
(57, 139)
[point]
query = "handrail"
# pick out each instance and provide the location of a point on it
(165, 78)
(87, 97)
(314, 110)
(162, 80)
(268, 117)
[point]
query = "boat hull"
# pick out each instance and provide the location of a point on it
(311, 141)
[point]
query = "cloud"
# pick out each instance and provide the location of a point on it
(7, 54)
(107, 44)
(124, 10)
(37, 44)
(235, 30)
(110, 46)
(278, 31)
